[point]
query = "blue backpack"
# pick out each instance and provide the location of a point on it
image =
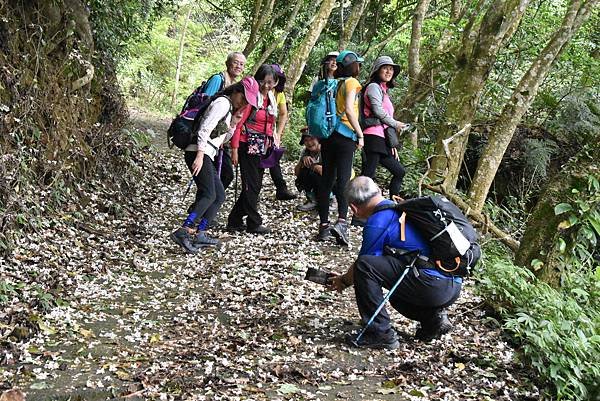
(321, 116)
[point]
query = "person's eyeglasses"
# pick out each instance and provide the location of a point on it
(238, 63)
(268, 82)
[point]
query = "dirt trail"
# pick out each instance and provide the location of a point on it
(237, 323)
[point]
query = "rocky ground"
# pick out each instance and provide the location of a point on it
(100, 304)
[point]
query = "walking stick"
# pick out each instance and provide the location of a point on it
(189, 185)
(382, 304)
(219, 162)
(236, 184)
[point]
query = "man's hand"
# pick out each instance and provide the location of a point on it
(234, 156)
(317, 168)
(308, 161)
(395, 153)
(338, 283)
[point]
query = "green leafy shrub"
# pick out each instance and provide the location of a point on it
(559, 330)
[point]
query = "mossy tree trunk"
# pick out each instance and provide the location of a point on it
(543, 233)
(523, 95)
(281, 37)
(350, 24)
(300, 55)
(482, 38)
(261, 16)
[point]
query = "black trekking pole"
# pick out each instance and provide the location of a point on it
(189, 185)
(382, 304)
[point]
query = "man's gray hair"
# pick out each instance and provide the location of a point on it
(361, 190)
(232, 56)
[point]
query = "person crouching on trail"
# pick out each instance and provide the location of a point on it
(309, 170)
(216, 127)
(422, 294)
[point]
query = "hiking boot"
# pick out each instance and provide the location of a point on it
(340, 231)
(358, 222)
(332, 205)
(285, 195)
(235, 228)
(440, 327)
(369, 339)
(184, 239)
(307, 206)
(259, 230)
(324, 233)
(201, 239)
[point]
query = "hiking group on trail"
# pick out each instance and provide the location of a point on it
(419, 249)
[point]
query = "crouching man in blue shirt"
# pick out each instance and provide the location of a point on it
(423, 293)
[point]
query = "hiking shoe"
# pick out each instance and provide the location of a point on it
(259, 230)
(374, 340)
(307, 206)
(440, 327)
(340, 231)
(324, 233)
(201, 239)
(184, 239)
(333, 205)
(357, 222)
(285, 195)
(235, 228)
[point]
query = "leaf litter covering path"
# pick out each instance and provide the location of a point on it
(138, 318)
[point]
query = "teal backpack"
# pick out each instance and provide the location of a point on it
(321, 116)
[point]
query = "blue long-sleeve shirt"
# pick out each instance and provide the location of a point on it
(214, 84)
(383, 228)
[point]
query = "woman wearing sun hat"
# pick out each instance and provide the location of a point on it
(378, 116)
(337, 151)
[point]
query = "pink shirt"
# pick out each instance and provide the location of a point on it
(387, 105)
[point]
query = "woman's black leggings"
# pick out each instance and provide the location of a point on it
(372, 159)
(209, 192)
(337, 153)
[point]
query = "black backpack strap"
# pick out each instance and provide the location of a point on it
(367, 121)
(387, 206)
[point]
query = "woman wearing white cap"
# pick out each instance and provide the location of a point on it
(378, 112)
(337, 151)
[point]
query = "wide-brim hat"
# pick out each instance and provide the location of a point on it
(348, 57)
(384, 60)
(251, 89)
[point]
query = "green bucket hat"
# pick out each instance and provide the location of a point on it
(348, 57)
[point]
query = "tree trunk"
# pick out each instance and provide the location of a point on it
(180, 57)
(414, 61)
(349, 27)
(543, 230)
(298, 60)
(260, 16)
(522, 97)
(423, 80)
(481, 41)
(282, 37)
